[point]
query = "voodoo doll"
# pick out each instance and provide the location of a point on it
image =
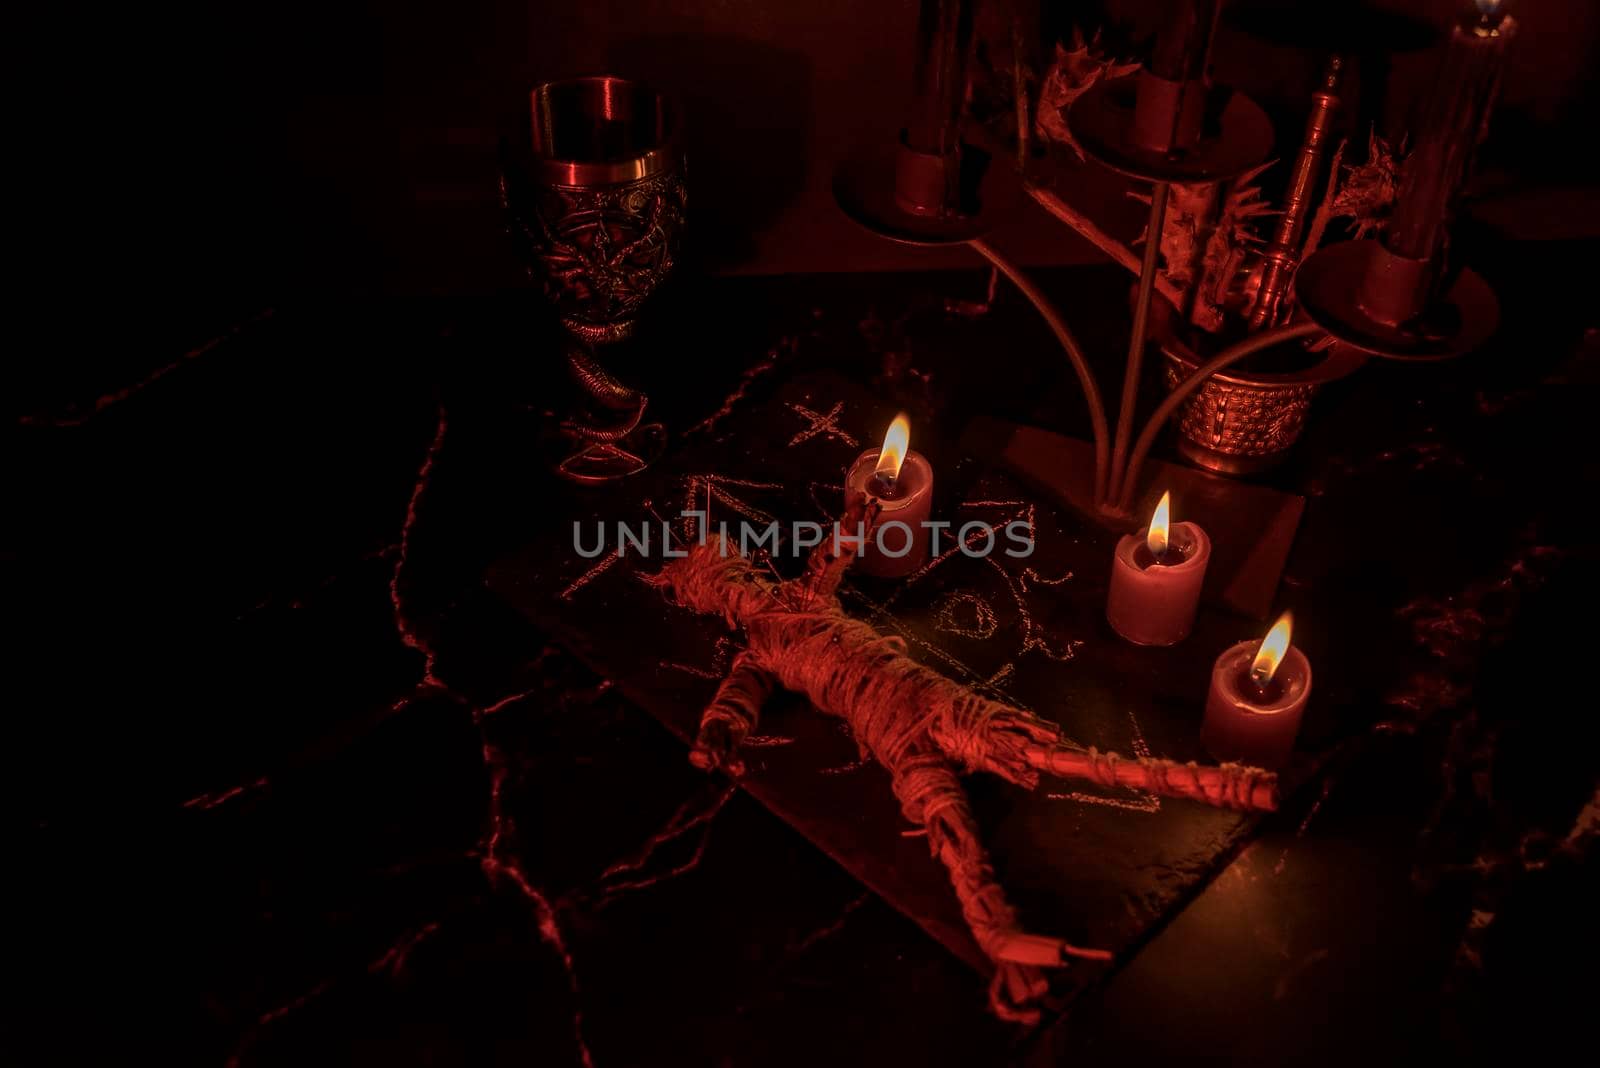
(922, 727)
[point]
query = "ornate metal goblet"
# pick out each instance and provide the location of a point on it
(594, 186)
(592, 183)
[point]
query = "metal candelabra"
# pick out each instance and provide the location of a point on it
(1166, 124)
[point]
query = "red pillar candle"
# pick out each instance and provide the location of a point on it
(1258, 693)
(1155, 580)
(901, 481)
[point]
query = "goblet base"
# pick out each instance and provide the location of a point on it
(598, 462)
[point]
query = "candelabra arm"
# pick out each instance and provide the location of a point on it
(1058, 326)
(1181, 392)
(1086, 228)
(1141, 323)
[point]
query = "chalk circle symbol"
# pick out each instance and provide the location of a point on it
(966, 615)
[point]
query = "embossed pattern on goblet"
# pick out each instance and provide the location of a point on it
(593, 187)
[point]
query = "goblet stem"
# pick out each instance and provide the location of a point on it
(597, 382)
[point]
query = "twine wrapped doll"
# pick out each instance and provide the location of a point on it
(923, 728)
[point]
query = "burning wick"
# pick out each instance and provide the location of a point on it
(1160, 526)
(894, 486)
(1489, 14)
(1264, 668)
(885, 477)
(1160, 549)
(1258, 697)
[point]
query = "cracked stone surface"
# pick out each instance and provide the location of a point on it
(288, 785)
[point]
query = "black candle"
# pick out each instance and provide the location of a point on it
(1168, 113)
(1183, 43)
(944, 39)
(1452, 121)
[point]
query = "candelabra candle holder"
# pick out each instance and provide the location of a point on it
(1167, 124)
(1329, 284)
(1402, 297)
(930, 187)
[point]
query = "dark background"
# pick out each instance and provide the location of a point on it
(193, 161)
(225, 769)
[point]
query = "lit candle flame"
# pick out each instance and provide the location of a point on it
(1160, 525)
(1270, 655)
(893, 453)
(1489, 15)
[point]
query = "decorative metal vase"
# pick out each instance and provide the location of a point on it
(1243, 422)
(593, 185)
